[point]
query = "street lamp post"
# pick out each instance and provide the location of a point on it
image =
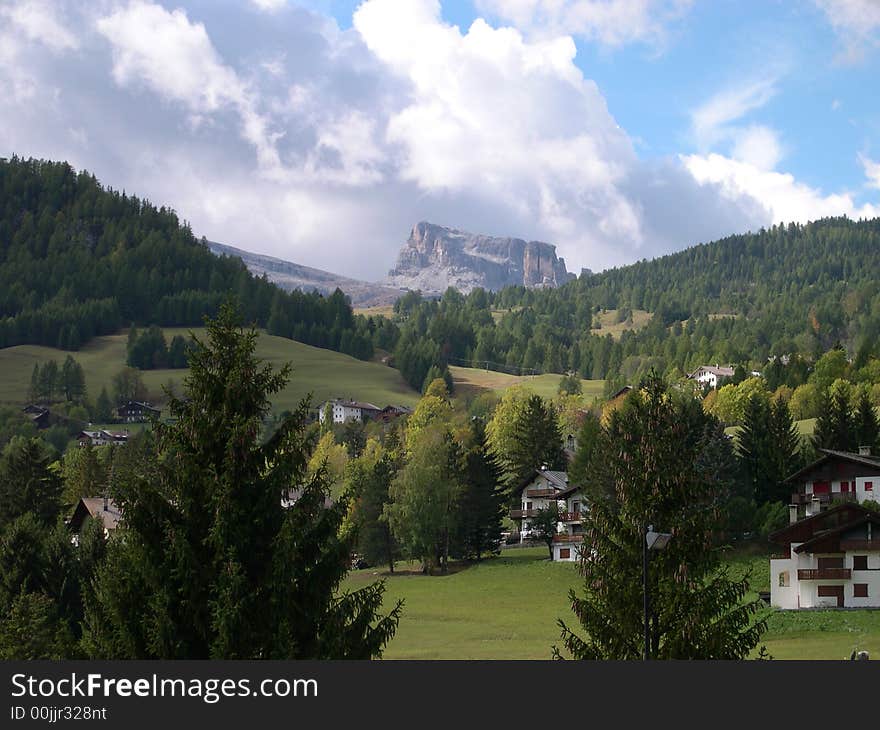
(653, 541)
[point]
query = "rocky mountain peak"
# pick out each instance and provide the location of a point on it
(435, 257)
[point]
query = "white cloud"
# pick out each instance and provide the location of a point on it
(758, 146)
(38, 21)
(269, 5)
(719, 121)
(171, 55)
(298, 139)
(711, 120)
(175, 58)
(857, 23)
(782, 197)
(500, 117)
(612, 23)
(872, 171)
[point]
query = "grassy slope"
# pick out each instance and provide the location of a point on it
(543, 385)
(507, 608)
(504, 608)
(610, 325)
(322, 372)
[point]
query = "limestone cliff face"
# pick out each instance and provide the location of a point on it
(435, 258)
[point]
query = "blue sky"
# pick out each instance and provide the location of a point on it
(321, 131)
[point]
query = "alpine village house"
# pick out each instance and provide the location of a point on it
(832, 545)
(540, 490)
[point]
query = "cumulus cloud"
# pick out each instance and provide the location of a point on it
(612, 23)
(747, 173)
(39, 21)
(783, 198)
(175, 58)
(283, 134)
(498, 116)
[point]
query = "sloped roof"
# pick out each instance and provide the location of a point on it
(824, 536)
(557, 479)
(828, 455)
(94, 507)
(354, 404)
(822, 523)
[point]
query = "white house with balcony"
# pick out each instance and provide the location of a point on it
(544, 489)
(831, 549)
(829, 560)
(836, 476)
(347, 410)
(711, 374)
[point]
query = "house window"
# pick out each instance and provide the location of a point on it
(844, 486)
(565, 554)
(783, 579)
(869, 486)
(860, 562)
(528, 505)
(860, 590)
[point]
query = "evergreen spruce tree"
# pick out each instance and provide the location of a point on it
(824, 432)
(211, 564)
(578, 470)
(35, 390)
(49, 381)
(481, 505)
(103, 407)
(73, 380)
(28, 484)
(755, 447)
(537, 440)
(785, 451)
(834, 426)
(656, 464)
(866, 427)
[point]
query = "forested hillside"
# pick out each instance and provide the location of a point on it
(78, 260)
(790, 289)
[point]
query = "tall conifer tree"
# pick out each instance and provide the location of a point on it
(656, 464)
(211, 564)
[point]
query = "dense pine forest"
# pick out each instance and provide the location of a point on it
(79, 260)
(795, 289)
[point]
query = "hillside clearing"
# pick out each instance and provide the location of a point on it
(323, 373)
(608, 319)
(475, 379)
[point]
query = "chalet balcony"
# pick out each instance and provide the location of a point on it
(518, 514)
(824, 574)
(866, 545)
(571, 516)
(823, 499)
(568, 538)
(540, 493)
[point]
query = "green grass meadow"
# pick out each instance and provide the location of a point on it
(323, 373)
(508, 607)
(546, 385)
(502, 608)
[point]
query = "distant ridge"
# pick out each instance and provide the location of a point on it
(289, 276)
